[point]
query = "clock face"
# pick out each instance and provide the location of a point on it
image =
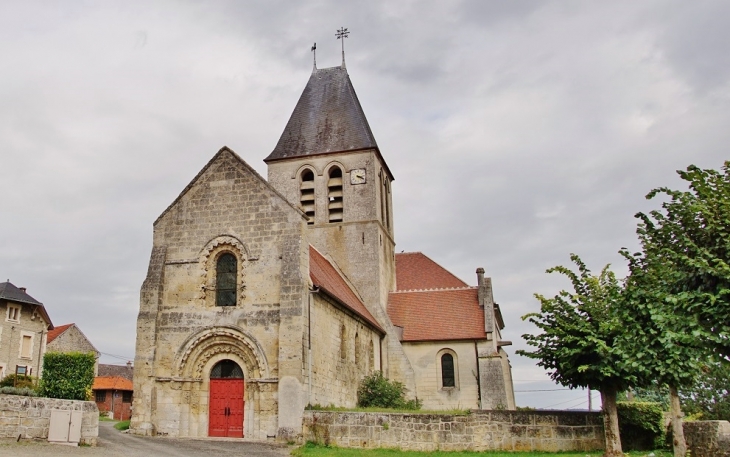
(357, 176)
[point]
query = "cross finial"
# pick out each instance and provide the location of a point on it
(341, 35)
(314, 51)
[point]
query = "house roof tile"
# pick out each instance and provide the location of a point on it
(14, 294)
(416, 271)
(324, 276)
(56, 332)
(112, 383)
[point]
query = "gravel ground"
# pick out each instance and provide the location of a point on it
(112, 443)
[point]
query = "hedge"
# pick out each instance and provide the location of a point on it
(641, 425)
(68, 375)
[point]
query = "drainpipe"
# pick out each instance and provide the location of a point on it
(40, 353)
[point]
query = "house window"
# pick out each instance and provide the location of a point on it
(100, 396)
(26, 345)
(126, 397)
(334, 195)
(226, 271)
(448, 377)
(13, 313)
(306, 194)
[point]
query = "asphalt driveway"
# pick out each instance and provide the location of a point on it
(112, 443)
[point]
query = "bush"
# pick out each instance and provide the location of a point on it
(378, 391)
(20, 380)
(641, 425)
(68, 375)
(24, 391)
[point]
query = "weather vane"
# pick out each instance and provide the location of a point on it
(314, 51)
(342, 34)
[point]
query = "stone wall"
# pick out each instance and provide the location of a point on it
(708, 438)
(479, 431)
(30, 417)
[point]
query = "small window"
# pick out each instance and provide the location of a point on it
(306, 194)
(13, 314)
(126, 397)
(343, 342)
(226, 369)
(371, 356)
(358, 357)
(335, 206)
(100, 396)
(226, 272)
(447, 371)
(26, 346)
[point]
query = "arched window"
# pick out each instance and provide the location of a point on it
(358, 357)
(371, 356)
(334, 195)
(448, 378)
(226, 270)
(343, 342)
(306, 194)
(226, 369)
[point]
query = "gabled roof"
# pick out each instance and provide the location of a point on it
(325, 277)
(328, 118)
(122, 371)
(437, 315)
(14, 294)
(416, 271)
(56, 332)
(111, 383)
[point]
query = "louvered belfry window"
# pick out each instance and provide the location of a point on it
(226, 369)
(334, 195)
(306, 195)
(447, 371)
(226, 272)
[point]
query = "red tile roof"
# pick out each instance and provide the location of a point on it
(324, 275)
(111, 383)
(437, 315)
(56, 332)
(415, 271)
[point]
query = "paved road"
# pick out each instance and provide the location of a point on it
(112, 443)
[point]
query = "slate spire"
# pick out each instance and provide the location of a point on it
(327, 119)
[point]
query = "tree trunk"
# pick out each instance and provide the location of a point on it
(679, 444)
(610, 423)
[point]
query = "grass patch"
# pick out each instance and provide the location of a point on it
(122, 425)
(313, 450)
(106, 418)
(376, 409)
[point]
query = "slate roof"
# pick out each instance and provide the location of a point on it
(416, 271)
(431, 304)
(11, 293)
(324, 276)
(328, 118)
(116, 370)
(56, 332)
(111, 383)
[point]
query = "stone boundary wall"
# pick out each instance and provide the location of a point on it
(478, 431)
(708, 438)
(30, 417)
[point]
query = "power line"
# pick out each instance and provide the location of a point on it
(117, 356)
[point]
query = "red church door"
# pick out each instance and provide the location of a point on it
(226, 400)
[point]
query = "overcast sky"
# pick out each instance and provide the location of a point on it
(518, 132)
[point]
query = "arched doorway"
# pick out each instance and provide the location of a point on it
(226, 400)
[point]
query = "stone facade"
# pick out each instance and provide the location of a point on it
(71, 339)
(30, 417)
(287, 280)
(23, 331)
(547, 431)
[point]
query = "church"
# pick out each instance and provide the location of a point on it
(266, 295)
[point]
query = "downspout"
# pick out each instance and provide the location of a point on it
(40, 352)
(479, 377)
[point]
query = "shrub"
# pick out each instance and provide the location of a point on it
(641, 425)
(20, 380)
(68, 375)
(24, 391)
(379, 391)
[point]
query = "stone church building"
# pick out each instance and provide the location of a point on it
(264, 296)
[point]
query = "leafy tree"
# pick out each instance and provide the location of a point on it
(578, 343)
(710, 394)
(677, 295)
(378, 391)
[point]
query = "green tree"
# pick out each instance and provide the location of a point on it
(578, 343)
(677, 295)
(710, 394)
